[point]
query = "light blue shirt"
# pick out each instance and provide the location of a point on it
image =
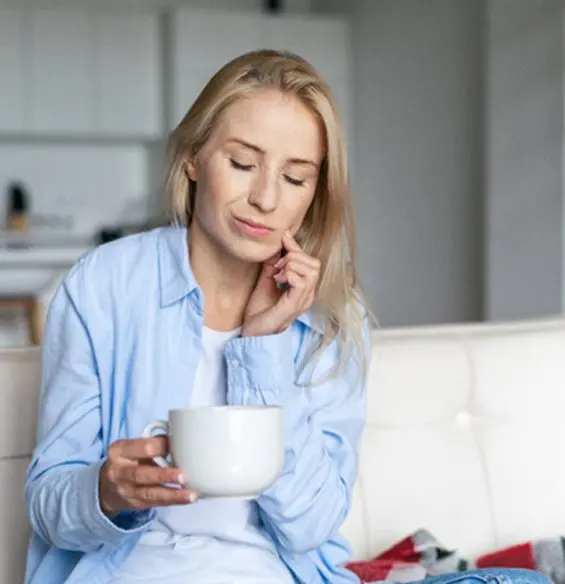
(212, 541)
(121, 347)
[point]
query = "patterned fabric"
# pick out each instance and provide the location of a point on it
(421, 555)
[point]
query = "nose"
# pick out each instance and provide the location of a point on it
(264, 192)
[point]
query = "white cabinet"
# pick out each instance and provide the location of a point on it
(126, 81)
(60, 82)
(210, 39)
(326, 43)
(201, 43)
(322, 41)
(77, 73)
(11, 70)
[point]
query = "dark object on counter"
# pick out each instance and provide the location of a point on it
(18, 208)
(274, 6)
(108, 234)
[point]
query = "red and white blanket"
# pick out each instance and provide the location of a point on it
(421, 555)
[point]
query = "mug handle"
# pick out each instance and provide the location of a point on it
(150, 431)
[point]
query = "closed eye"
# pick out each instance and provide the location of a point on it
(239, 166)
(294, 181)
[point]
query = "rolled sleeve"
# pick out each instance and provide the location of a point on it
(63, 477)
(103, 528)
(261, 363)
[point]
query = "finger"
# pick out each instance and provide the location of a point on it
(141, 474)
(267, 271)
(301, 257)
(267, 285)
(302, 268)
(311, 298)
(270, 266)
(308, 280)
(290, 243)
(299, 288)
(141, 448)
(163, 496)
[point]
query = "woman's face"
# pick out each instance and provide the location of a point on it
(257, 174)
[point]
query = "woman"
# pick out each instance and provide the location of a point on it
(217, 310)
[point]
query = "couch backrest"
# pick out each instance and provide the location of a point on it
(465, 437)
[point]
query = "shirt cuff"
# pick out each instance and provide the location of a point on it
(110, 531)
(261, 363)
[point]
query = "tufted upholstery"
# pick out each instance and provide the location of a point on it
(464, 437)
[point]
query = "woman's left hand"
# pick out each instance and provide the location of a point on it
(271, 309)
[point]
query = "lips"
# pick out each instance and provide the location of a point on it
(253, 229)
(255, 224)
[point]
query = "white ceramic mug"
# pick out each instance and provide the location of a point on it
(224, 451)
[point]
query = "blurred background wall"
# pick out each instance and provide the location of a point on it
(454, 114)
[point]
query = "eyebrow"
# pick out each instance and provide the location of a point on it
(256, 148)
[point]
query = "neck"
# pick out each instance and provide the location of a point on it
(226, 282)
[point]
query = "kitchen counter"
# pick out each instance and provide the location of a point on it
(41, 250)
(31, 265)
(40, 256)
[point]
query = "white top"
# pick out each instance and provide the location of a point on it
(210, 541)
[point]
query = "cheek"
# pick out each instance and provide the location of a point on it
(206, 205)
(216, 189)
(296, 211)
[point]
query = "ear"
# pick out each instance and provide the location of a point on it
(191, 169)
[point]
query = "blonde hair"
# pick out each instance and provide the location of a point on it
(328, 230)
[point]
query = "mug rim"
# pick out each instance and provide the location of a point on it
(238, 408)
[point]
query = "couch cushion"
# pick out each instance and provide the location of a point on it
(519, 401)
(463, 436)
(14, 530)
(19, 388)
(20, 374)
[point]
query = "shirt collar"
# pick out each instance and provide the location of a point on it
(177, 281)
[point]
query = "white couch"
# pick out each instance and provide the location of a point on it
(464, 437)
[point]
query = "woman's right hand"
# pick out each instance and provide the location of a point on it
(130, 480)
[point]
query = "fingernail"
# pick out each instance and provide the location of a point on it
(181, 479)
(279, 263)
(288, 233)
(192, 496)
